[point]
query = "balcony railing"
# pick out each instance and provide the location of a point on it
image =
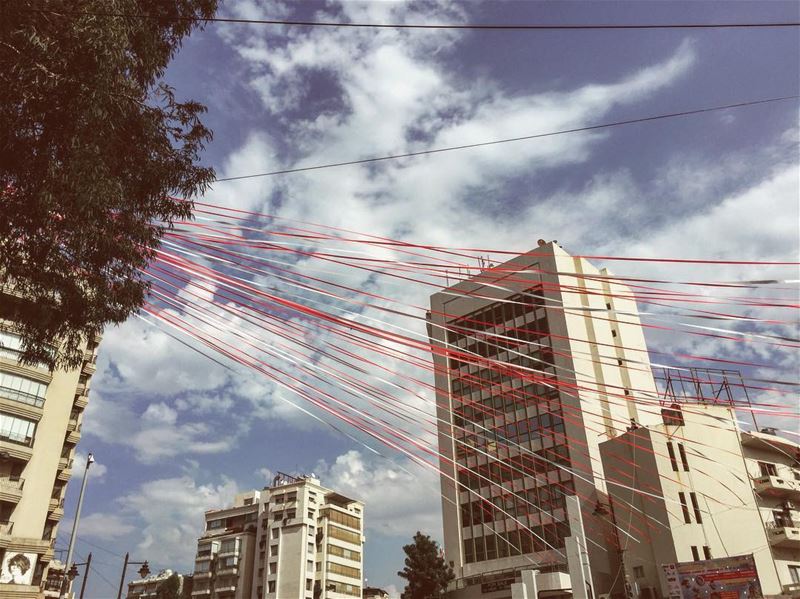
(12, 482)
(21, 397)
(17, 438)
(777, 486)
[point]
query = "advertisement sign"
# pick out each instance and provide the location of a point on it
(723, 578)
(17, 568)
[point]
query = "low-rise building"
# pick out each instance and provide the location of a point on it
(680, 492)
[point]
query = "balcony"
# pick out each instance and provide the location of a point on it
(777, 486)
(65, 463)
(784, 534)
(81, 401)
(6, 527)
(198, 592)
(65, 474)
(57, 510)
(89, 365)
(11, 488)
(74, 434)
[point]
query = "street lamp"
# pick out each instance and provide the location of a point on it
(143, 572)
(73, 572)
(89, 462)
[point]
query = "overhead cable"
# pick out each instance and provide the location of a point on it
(513, 139)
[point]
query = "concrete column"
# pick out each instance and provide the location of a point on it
(577, 555)
(527, 588)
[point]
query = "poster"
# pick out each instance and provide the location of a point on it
(17, 568)
(723, 578)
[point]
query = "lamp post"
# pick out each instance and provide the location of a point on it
(71, 549)
(73, 572)
(143, 571)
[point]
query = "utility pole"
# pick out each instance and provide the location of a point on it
(71, 549)
(143, 571)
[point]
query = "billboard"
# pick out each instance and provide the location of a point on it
(723, 578)
(18, 568)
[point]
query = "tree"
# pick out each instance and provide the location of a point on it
(426, 571)
(170, 588)
(94, 147)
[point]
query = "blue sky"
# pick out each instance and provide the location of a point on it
(175, 434)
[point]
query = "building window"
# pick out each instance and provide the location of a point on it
(16, 430)
(706, 551)
(273, 551)
(212, 524)
(613, 333)
(767, 469)
(273, 567)
(672, 459)
(309, 584)
(684, 461)
(248, 501)
(310, 566)
(794, 573)
(638, 571)
(275, 533)
(685, 508)
(698, 518)
(695, 554)
(271, 586)
(342, 570)
(22, 389)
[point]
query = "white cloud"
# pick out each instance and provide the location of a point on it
(397, 501)
(155, 434)
(170, 512)
(105, 526)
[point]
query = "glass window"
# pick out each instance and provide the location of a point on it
(18, 430)
(22, 389)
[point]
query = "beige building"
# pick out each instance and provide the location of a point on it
(773, 463)
(292, 540)
(680, 492)
(536, 361)
(40, 424)
(224, 563)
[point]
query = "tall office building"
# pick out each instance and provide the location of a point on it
(536, 361)
(292, 540)
(40, 423)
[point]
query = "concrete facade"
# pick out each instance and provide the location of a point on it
(773, 464)
(40, 423)
(536, 361)
(680, 492)
(299, 540)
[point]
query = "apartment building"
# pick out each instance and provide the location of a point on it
(292, 540)
(536, 360)
(773, 463)
(40, 424)
(224, 563)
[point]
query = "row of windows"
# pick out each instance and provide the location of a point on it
(17, 430)
(516, 542)
(22, 389)
(342, 570)
(511, 337)
(486, 404)
(508, 470)
(344, 535)
(540, 363)
(541, 500)
(344, 589)
(342, 518)
(287, 498)
(345, 553)
(521, 431)
(496, 314)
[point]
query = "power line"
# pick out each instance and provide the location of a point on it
(474, 26)
(513, 139)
